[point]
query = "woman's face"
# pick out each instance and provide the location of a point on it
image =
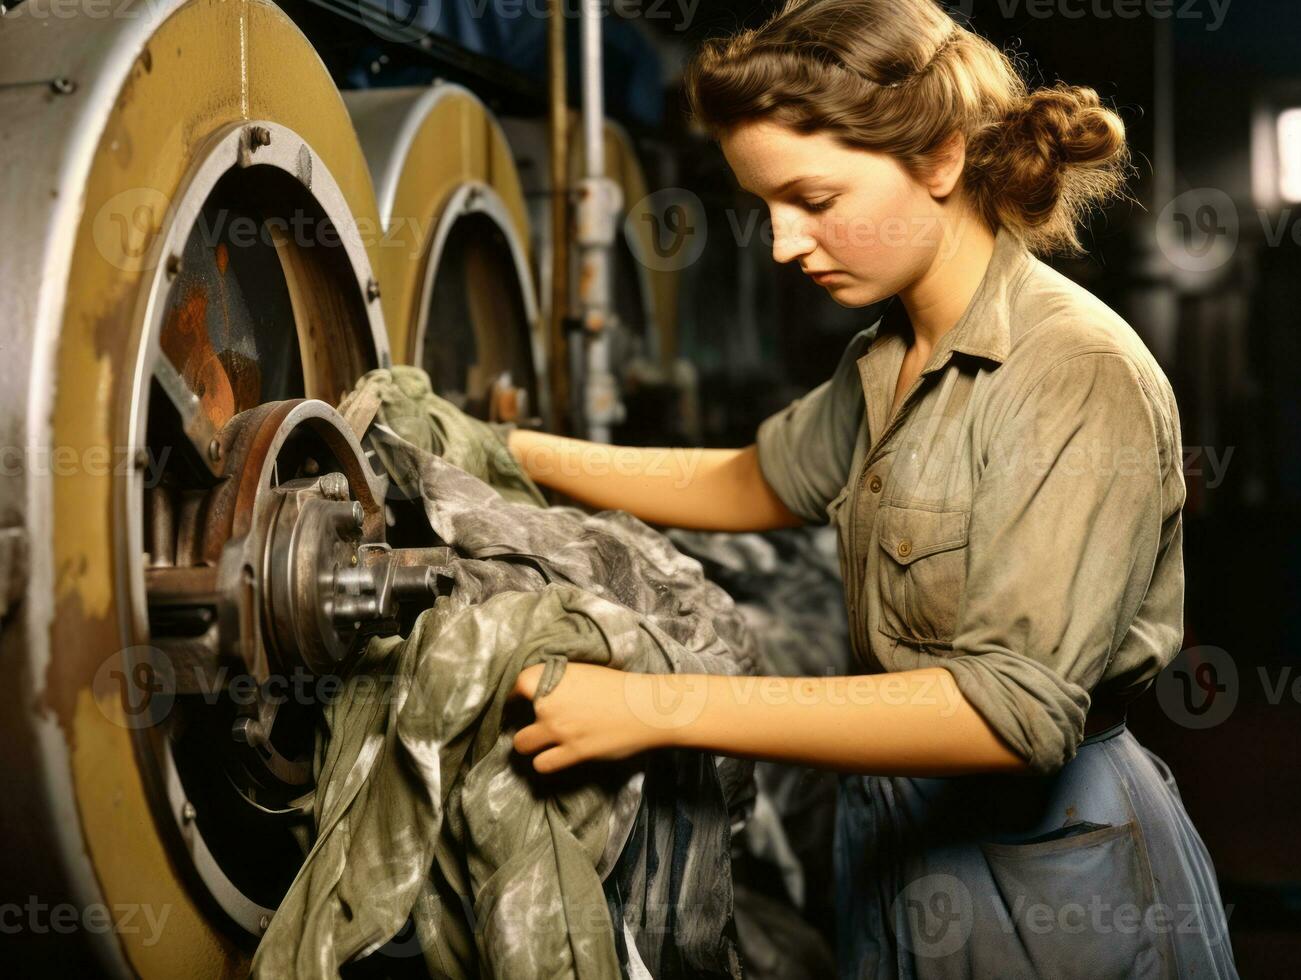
(858, 223)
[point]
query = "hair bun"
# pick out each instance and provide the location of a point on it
(1068, 124)
(1055, 154)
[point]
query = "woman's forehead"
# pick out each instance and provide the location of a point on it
(769, 158)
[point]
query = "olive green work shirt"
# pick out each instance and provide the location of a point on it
(1018, 522)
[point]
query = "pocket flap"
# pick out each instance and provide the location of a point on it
(909, 533)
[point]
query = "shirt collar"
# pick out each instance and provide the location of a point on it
(983, 330)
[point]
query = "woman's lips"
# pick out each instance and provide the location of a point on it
(822, 278)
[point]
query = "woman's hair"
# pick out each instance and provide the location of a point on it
(902, 77)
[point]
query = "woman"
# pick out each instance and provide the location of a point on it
(1001, 457)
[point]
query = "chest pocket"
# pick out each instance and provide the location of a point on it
(922, 573)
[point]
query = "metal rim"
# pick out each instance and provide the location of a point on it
(404, 139)
(281, 149)
(477, 198)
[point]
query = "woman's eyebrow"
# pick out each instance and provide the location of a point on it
(810, 178)
(787, 185)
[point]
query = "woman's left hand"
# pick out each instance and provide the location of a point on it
(594, 713)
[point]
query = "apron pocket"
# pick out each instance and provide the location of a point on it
(1076, 904)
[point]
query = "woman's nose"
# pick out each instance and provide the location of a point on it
(790, 238)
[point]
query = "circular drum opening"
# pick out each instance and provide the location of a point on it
(261, 294)
(478, 340)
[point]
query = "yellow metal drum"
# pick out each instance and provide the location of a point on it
(455, 262)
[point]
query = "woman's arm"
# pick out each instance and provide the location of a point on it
(703, 489)
(914, 723)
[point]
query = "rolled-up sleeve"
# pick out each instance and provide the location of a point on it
(805, 450)
(1065, 529)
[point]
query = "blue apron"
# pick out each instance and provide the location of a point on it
(1093, 872)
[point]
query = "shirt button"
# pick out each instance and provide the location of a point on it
(874, 484)
(905, 548)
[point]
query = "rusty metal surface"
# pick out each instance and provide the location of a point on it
(219, 329)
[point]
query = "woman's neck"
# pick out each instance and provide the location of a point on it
(938, 298)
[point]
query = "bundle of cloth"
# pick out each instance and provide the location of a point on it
(428, 823)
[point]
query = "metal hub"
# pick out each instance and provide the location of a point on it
(287, 574)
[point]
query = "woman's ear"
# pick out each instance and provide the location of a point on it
(947, 168)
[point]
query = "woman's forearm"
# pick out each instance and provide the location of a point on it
(914, 723)
(705, 489)
(909, 723)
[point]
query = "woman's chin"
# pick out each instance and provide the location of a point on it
(847, 293)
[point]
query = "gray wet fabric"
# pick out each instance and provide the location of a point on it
(401, 399)
(787, 586)
(611, 553)
(1094, 872)
(418, 767)
(422, 809)
(776, 943)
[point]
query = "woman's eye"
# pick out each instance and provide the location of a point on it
(818, 204)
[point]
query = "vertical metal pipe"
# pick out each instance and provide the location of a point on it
(558, 98)
(593, 91)
(598, 206)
